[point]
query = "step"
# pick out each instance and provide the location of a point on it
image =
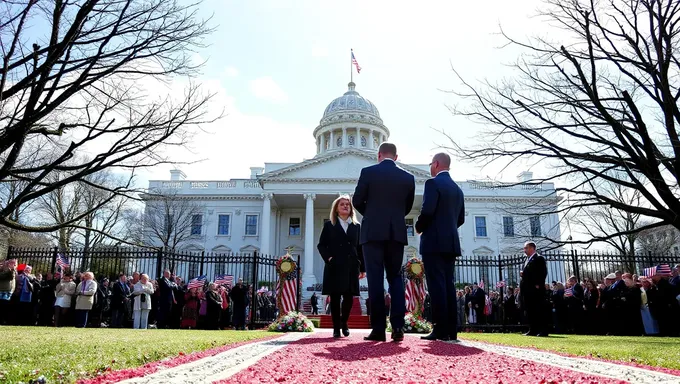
(354, 322)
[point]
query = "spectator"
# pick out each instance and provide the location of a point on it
(64, 292)
(120, 295)
(86, 292)
(8, 275)
(142, 292)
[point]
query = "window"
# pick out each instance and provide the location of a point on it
(508, 226)
(196, 224)
(363, 141)
(223, 222)
(409, 227)
(535, 222)
(338, 141)
(251, 225)
(294, 226)
(350, 138)
(480, 226)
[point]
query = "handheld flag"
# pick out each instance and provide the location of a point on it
(197, 282)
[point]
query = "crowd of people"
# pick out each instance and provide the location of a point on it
(622, 304)
(136, 301)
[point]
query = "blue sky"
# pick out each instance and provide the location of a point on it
(275, 66)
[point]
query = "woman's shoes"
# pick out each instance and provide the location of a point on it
(336, 333)
(345, 331)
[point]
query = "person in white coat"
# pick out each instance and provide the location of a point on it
(142, 293)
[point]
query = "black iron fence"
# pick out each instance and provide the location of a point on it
(256, 270)
(505, 269)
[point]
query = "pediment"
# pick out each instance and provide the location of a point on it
(221, 249)
(346, 164)
(249, 249)
(192, 248)
(483, 251)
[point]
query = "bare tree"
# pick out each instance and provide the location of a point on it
(61, 206)
(101, 224)
(598, 108)
(170, 219)
(79, 86)
(600, 221)
(659, 241)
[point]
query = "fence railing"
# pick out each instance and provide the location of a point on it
(260, 270)
(255, 269)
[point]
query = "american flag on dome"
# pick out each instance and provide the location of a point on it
(227, 280)
(355, 62)
(659, 270)
(415, 294)
(62, 262)
(197, 282)
(288, 293)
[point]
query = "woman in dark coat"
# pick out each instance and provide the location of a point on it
(344, 262)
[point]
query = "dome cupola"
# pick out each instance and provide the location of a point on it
(350, 121)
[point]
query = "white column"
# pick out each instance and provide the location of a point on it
(357, 139)
(323, 143)
(345, 142)
(331, 145)
(265, 241)
(308, 278)
(370, 140)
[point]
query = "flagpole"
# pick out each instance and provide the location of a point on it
(351, 70)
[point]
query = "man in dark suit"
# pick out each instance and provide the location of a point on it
(167, 287)
(120, 295)
(442, 213)
(532, 291)
(384, 196)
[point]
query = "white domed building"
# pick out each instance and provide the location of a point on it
(284, 206)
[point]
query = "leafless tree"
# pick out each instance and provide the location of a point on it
(169, 219)
(598, 108)
(74, 79)
(60, 206)
(103, 225)
(659, 241)
(599, 221)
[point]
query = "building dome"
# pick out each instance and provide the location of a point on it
(350, 122)
(351, 105)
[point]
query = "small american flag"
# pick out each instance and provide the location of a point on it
(197, 282)
(500, 284)
(481, 283)
(569, 292)
(660, 270)
(415, 295)
(287, 293)
(62, 262)
(355, 62)
(227, 280)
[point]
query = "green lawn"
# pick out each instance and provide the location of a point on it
(653, 351)
(63, 355)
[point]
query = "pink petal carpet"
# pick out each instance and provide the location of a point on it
(321, 359)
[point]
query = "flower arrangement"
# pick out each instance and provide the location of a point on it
(414, 323)
(285, 265)
(414, 269)
(292, 322)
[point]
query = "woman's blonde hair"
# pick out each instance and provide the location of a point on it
(334, 209)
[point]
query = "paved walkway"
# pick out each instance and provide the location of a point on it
(318, 358)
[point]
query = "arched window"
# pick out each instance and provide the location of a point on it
(351, 140)
(338, 141)
(363, 141)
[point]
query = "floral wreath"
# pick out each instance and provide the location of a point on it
(415, 270)
(285, 265)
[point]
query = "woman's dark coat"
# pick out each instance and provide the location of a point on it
(341, 273)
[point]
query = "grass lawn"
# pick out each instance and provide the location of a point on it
(653, 351)
(63, 355)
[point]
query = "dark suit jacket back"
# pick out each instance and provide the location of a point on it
(442, 213)
(384, 196)
(534, 273)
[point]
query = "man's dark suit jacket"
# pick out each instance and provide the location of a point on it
(442, 213)
(167, 288)
(119, 292)
(534, 273)
(384, 196)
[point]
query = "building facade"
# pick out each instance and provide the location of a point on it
(284, 205)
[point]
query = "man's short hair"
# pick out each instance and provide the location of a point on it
(530, 244)
(387, 149)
